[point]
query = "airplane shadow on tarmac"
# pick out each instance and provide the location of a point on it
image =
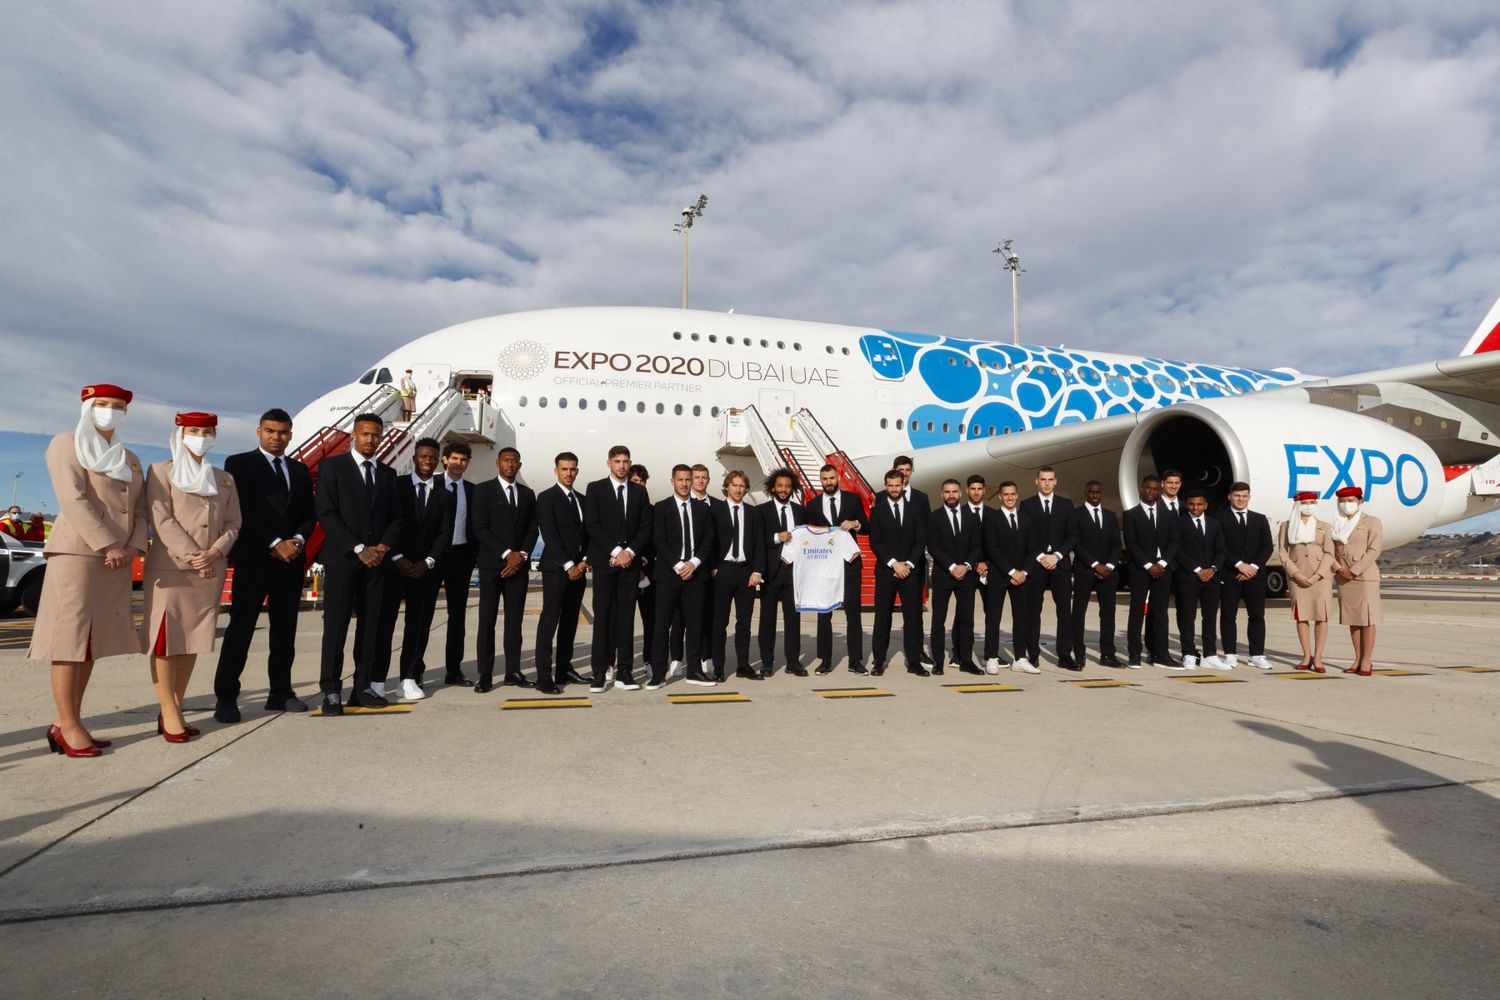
(1415, 833)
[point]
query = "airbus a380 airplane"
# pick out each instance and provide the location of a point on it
(750, 392)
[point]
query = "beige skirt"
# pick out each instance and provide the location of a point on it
(1359, 602)
(1312, 604)
(85, 612)
(189, 606)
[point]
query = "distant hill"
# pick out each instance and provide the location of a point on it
(1446, 554)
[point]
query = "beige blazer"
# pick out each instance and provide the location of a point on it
(1359, 598)
(95, 513)
(1313, 561)
(186, 522)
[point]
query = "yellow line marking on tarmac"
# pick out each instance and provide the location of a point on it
(980, 688)
(1106, 683)
(362, 710)
(1400, 673)
(1208, 679)
(1299, 675)
(521, 703)
(706, 699)
(1473, 670)
(852, 693)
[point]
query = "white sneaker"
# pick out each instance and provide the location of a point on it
(1024, 666)
(1132, 666)
(651, 685)
(703, 681)
(1230, 660)
(992, 666)
(411, 691)
(1213, 663)
(676, 669)
(609, 676)
(377, 687)
(598, 688)
(1260, 662)
(627, 685)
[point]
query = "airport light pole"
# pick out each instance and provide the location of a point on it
(15, 484)
(693, 211)
(1013, 265)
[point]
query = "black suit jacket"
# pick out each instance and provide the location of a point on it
(269, 512)
(468, 489)
(1252, 544)
(1006, 550)
(564, 537)
(666, 531)
(430, 532)
(849, 509)
(919, 500)
(945, 548)
(1055, 531)
(905, 542)
(1090, 544)
(601, 517)
(753, 547)
(1142, 543)
(348, 514)
(771, 525)
(499, 527)
(1200, 551)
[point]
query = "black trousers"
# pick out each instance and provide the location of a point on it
(614, 620)
(1085, 585)
(1253, 593)
(777, 593)
(887, 589)
(854, 628)
(561, 601)
(493, 588)
(1000, 590)
(1059, 582)
(960, 593)
(645, 600)
(420, 596)
(371, 595)
(732, 590)
(676, 596)
(1193, 594)
(278, 586)
(705, 651)
(457, 569)
(1148, 608)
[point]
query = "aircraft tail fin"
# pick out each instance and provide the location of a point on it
(1487, 337)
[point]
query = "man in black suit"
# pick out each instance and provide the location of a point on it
(276, 503)
(426, 533)
(645, 564)
(837, 508)
(1151, 541)
(974, 488)
(954, 544)
(1051, 517)
(1247, 547)
(740, 552)
(682, 530)
(1007, 538)
(359, 509)
(616, 514)
(1199, 556)
(778, 518)
(565, 542)
(898, 536)
(505, 524)
(457, 565)
(1096, 553)
(699, 494)
(918, 501)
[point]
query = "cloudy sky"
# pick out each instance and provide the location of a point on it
(235, 204)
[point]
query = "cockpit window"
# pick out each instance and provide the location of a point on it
(367, 377)
(384, 378)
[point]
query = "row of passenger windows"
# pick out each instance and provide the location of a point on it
(975, 430)
(781, 345)
(562, 403)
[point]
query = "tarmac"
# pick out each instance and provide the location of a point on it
(1272, 835)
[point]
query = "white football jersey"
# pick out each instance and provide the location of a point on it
(817, 557)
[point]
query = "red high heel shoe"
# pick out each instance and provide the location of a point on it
(1351, 669)
(161, 731)
(1367, 672)
(1318, 668)
(58, 744)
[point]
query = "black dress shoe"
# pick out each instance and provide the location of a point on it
(972, 668)
(517, 680)
(455, 679)
(878, 671)
(573, 677)
(1133, 662)
(366, 699)
(1109, 660)
(918, 669)
(749, 675)
(484, 686)
(1070, 665)
(824, 668)
(797, 670)
(937, 671)
(332, 705)
(857, 668)
(1166, 661)
(548, 689)
(227, 712)
(924, 658)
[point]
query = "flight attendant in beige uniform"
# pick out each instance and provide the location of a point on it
(1356, 546)
(1307, 554)
(195, 516)
(100, 529)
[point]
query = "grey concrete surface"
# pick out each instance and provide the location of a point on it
(1274, 837)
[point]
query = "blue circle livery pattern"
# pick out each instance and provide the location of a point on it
(987, 388)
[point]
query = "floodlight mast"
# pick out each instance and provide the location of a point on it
(1013, 265)
(693, 211)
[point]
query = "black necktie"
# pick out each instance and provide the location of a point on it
(781, 515)
(1011, 517)
(573, 504)
(734, 531)
(1241, 516)
(687, 534)
(1047, 509)
(282, 486)
(898, 513)
(1151, 516)
(1098, 520)
(954, 512)
(1197, 523)
(620, 499)
(510, 494)
(421, 499)
(370, 478)
(831, 512)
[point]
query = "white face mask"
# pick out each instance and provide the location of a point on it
(199, 446)
(1308, 509)
(106, 418)
(1348, 507)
